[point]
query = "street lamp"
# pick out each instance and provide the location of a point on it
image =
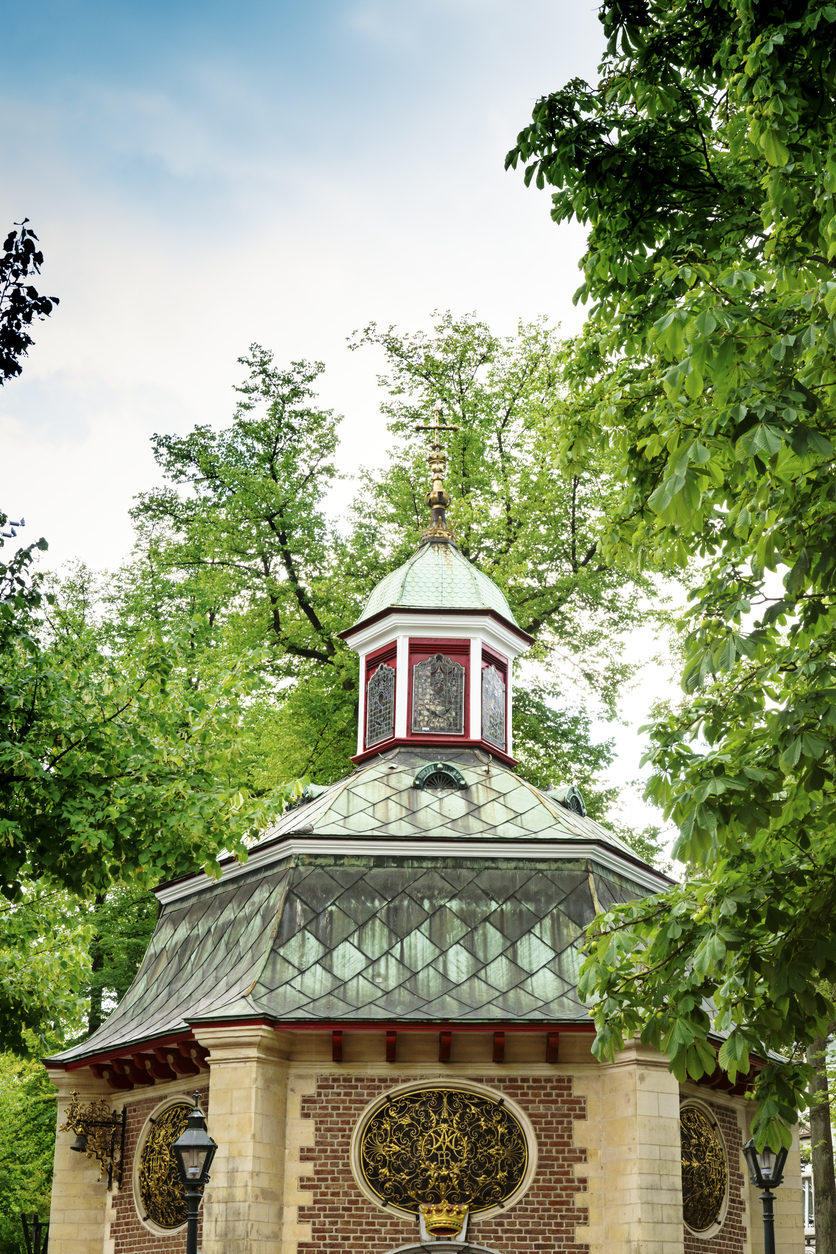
(194, 1151)
(766, 1170)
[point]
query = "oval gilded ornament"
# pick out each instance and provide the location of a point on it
(443, 1145)
(705, 1173)
(160, 1188)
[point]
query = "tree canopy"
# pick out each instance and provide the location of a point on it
(704, 162)
(240, 540)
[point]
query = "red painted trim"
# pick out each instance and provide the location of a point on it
(391, 1046)
(445, 1042)
(422, 609)
(336, 1045)
(129, 1047)
(499, 1046)
(553, 1047)
(438, 742)
(458, 651)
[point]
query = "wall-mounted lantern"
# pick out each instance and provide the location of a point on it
(100, 1134)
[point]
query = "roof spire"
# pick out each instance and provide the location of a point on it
(437, 498)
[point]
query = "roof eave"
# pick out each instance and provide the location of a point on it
(422, 609)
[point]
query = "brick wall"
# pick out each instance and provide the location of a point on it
(342, 1219)
(129, 1235)
(731, 1238)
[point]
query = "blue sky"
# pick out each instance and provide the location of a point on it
(203, 175)
(206, 175)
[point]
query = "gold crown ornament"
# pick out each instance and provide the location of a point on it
(444, 1219)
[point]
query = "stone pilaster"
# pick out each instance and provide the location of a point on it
(635, 1184)
(242, 1208)
(80, 1200)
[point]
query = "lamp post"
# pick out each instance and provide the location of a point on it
(766, 1170)
(193, 1152)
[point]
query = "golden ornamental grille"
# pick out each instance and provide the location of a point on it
(443, 1145)
(704, 1170)
(160, 1189)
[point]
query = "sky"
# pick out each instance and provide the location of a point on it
(203, 176)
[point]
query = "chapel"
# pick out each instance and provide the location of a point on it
(379, 1011)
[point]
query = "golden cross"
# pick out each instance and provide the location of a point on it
(436, 428)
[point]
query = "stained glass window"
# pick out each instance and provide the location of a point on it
(380, 705)
(438, 696)
(493, 707)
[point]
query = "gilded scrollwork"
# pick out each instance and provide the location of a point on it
(160, 1189)
(704, 1170)
(443, 1145)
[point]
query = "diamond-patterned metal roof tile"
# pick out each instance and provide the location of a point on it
(303, 950)
(457, 963)
(423, 936)
(345, 961)
(446, 1007)
(416, 951)
(359, 992)
(374, 938)
(503, 974)
(445, 927)
(474, 993)
(486, 942)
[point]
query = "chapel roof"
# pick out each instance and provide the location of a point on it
(378, 901)
(437, 577)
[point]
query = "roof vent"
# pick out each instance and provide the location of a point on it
(569, 797)
(438, 775)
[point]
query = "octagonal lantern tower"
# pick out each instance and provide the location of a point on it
(437, 640)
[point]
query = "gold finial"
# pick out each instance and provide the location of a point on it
(437, 498)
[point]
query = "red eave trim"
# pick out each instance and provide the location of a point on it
(433, 742)
(124, 1050)
(396, 1025)
(419, 609)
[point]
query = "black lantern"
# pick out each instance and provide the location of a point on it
(193, 1153)
(766, 1169)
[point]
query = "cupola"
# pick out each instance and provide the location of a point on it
(436, 640)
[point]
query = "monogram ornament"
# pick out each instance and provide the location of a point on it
(448, 1148)
(704, 1171)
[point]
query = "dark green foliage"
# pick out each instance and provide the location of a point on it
(123, 923)
(20, 302)
(704, 163)
(27, 1144)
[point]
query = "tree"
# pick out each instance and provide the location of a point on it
(27, 1146)
(112, 766)
(239, 538)
(704, 163)
(122, 923)
(821, 1145)
(20, 302)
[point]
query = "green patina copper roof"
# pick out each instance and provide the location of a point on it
(379, 801)
(437, 577)
(328, 937)
(412, 933)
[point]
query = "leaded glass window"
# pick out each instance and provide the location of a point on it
(380, 705)
(438, 696)
(493, 707)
